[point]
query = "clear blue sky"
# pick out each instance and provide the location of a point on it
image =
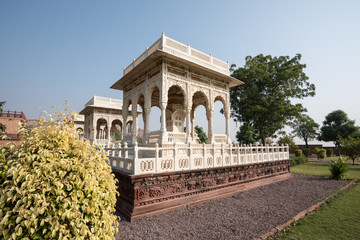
(56, 50)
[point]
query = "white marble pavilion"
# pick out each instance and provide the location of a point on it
(178, 78)
(102, 118)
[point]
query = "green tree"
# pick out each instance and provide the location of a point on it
(337, 124)
(117, 135)
(264, 101)
(287, 140)
(2, 105)
(201, 134)
(350, 147)
(2, 126)
(247, 135)
(305, 128)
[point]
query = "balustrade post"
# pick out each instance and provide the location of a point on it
(222, 153)
(287, 151)
(278, 152)
(176, 164)
(273, 152)
(231, 155)
(245, 153)
(267, 153)
(116, 153)
(251, 153)
(238, 154)
(190, 157)
(156, 156)
(126, 150)
(136, 162)
(120, 152)
(204, 155)
(262, 153)
(214, 149)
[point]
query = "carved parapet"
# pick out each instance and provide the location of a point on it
(145, 195)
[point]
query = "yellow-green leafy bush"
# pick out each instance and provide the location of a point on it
(321, 153)
(54, 185)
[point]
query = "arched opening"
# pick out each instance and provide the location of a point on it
(80, 131)
(218, 116)
(101, 129)
(140, 116)
(198, 117)
(175, 109)
(129, 127)
(128, 124)
(115, 131)
(155, 113)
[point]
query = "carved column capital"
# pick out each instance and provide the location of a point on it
(163, 105)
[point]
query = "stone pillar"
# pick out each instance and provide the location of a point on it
(192, 129)
(227, 118)
(147, 124)
(227, 124)
(124, 116)
(163, 123)
(108, 133)
(188, 130)
(209, 115)
(135, 121)
(93, 132)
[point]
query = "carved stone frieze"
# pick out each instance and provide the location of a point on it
(146, 190)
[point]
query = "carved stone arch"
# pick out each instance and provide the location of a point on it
(204, 101)
(220, 98)
(128, 127)
(127, 104)
(181, 85)
(178, 112)
(140, 99)
(116, 128)
(175, 92)
(102, 127)
(154, 95)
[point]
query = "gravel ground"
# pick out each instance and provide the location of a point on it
(246, 215)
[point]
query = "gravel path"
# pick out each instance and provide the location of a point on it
(246, 215)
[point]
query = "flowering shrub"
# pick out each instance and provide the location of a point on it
(54, 185)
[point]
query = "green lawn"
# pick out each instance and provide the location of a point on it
(322, 169)
(340, 219)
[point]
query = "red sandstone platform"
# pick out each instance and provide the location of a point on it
(147, 195)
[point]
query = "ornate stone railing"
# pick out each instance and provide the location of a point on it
(180, 157)
(176, 48)
(154, 136)
(220, 138)
(176, 137)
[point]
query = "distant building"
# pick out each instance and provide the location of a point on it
(79, 124)
(12, 121)
(103, 120)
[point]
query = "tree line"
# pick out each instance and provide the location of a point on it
(263, 106)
